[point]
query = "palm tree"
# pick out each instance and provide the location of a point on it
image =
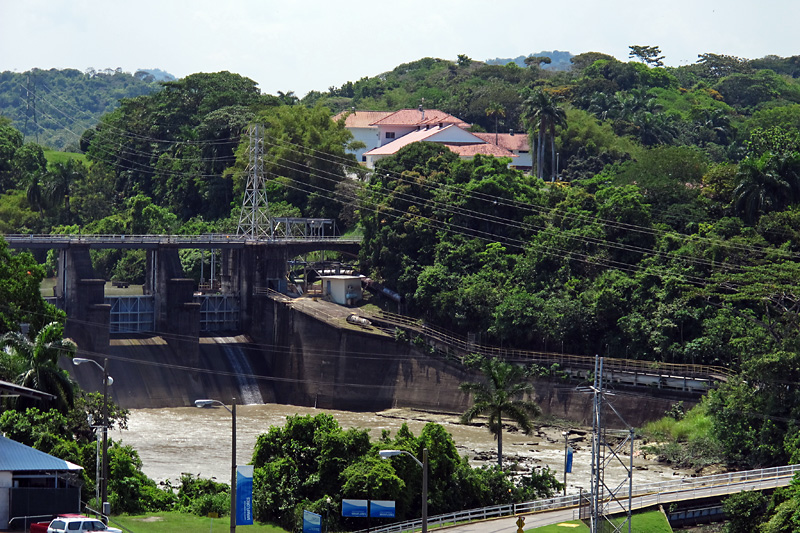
(34, 192)
(61, 178)
(34, 364)
(768, 183)
(495, 109)
(543, 115)
(501, 394)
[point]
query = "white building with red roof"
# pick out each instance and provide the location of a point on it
(360, 124)
(388, 132)
(517, 144)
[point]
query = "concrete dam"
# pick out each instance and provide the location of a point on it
(269, 348)
(303, 352)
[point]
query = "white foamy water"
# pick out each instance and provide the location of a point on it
(198, 441)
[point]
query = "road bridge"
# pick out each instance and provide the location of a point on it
(502, 518)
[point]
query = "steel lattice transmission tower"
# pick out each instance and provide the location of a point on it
(608, 500)
(254, 220)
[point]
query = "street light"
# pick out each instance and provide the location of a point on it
(385, 454)
(232, 411)
(107, 380)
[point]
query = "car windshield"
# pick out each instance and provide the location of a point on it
(94, 525)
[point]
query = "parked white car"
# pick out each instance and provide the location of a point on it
(80, 525)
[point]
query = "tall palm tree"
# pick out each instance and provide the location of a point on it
(61, 179)
(502, 394)
(34, 364)
(34, 192)
(495, 109)
(543, 115)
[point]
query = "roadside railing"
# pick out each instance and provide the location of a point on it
(610, 364)
(657, 490)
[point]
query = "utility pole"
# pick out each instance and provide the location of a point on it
(30, 101)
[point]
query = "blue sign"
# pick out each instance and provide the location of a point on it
(381, 508)
(354, 508)
(244, 495)
(312, 522)
(568, 469)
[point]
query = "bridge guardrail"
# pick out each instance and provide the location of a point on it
(573, 500)
(208, 238)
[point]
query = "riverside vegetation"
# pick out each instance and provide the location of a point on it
(665, 230)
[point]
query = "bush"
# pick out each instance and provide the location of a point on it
(219, 503)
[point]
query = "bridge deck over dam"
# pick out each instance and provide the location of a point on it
(150, 242)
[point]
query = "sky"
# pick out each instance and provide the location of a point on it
(314, 44)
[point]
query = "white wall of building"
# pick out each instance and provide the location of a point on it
(368, 136)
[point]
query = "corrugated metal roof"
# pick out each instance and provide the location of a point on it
(19, 390)
(16, 457)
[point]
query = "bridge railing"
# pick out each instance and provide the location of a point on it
(610, 364)
(108, 239)
(573, 500)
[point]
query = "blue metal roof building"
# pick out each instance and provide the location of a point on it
(34, 485)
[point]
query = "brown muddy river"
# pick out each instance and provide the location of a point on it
(172, 441)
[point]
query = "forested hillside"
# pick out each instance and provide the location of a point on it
(52, 106)
(661, 222)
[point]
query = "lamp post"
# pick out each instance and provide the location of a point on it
(232, 411)
(385, 454)
(107, 380)
(566, 444)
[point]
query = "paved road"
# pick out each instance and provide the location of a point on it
(533, 520)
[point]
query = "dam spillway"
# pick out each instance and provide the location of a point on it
(150, 372)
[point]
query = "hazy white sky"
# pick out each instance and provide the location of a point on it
(299, 46)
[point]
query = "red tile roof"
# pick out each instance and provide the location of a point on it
(415, 117)
(470, 150)
(361, 119)
(518, 141)
(392, 147)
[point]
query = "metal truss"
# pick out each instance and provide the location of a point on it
(254, 219)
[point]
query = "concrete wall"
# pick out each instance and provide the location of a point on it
(340, 368)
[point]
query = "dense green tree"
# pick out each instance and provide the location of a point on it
(769, 177)
(10, 142)
(744, 511)
(647, 54)
(176, 145)
(502, 393)
(305, 158)
(20, 277)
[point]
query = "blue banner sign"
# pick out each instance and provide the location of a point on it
(312, 522)
(244, 495)
(568, 470)
(354, 508)
(381, 508)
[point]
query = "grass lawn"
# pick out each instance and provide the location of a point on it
(649, 522)
(54, 156)
(175, 522)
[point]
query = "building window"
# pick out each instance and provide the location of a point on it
(364, 158)
(390, 135)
